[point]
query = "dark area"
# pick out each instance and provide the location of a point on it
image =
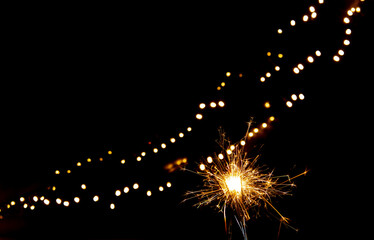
(79, 81)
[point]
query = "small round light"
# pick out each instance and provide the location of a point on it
(83, 186)
(213, 105)
(66, 203)
(163, 145)
(77, 199)
(172, 140)
(168, 184)
(112, 206)
(202, 167)
(149, 193)
(318, 53)
(294, 97)
(135, 186)
(221, 103)
(117, 193)
(220, 156)
(95, 198)
(209, 159)
(202, 105)
(310, 59)
(161, 188)
(289, 104)
(126, 189)
(293, 22)
(301, 96)
(199, 116)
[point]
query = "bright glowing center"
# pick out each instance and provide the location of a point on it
(234, 183)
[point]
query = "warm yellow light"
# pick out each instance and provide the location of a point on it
(289, 104)
(189, 129)
(172, 140)
(250, 134)
(58, 201)
(110, 152)
(346, 42)
(112, 206)
(135, 186)
(228, 74)
(79, 164)
(168, 184)
(42, 198)
(268, 75)
(350, 13)
(255, 130)
(118, 193)
(312, 9)
(341, 52)
(318, 53)
(280, 55)
(220, 156)
(348, 31)
(232, 147)
(57, 172)
(126, 189)
(68, 171)
(95, 198)
(213, 105)
(35, 198)
(221, 103)
(234, 184)
(267, 105)
(262, 79)
(123, 161)
(264, 125)
(21, 199)
(181, 135)
(223, 84)
(305, 18)
(300, 66)
(89, 160)
(32, 207)
(346, 20)
(277, 68)
(143, 154)
(321, 1)
(293, 22)
(310, 59)
(54, 188)
(228, 151)
(83, 186)
(358, 9)
(314, 15)
(161, 188)
(202, 167)
(268, 54)
(46, 202)
(163, 145)
(296, 70)
(280, 31)
(149, 193)
(294, 97)
(76, 199)
(101, 159)
(138, 158)
(25, 205)
(199, 116)
(301, 96)
(336, 58)
(209, 159)
(272, 118)
(202, 105)
(66, 203)
(155, 150)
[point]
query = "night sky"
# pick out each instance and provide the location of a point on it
(79, 81)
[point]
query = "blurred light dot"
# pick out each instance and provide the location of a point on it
(138, 158)
(346, 42)
(336, 58)
(83, 186)
(314, 15)
(202, 105)
(341, 52)
(255, 130)
(213, 105)
(209, 159)
(79, 164)
(264, 125)
(268, 75)
(305, 18)
(112, 206)
(318, 53)
(155, 150)
(189, 129)
(163, 145)
(126, 189)
(199, 116)
(58, 201)
(289, 104)
(268, 54)
(161, 188)
(168, 184)
(123, 161)
(312, 9)
(301, 96)
(172, 140)
(250, 134)
(220, 156)
(181, 135)
(346, 20)
(277, 68)
(280, 55)
(272, 118)
(57, 172)
(294, 97)
(149, 193)
(32, 207)
(293, 22)
(89, 160)
(300, 66)
(95, 198)
(46, 202)
(25, 205)
(228, 74)
(348, 31)
(262, 79)
(221, 103)
(267, 105)
(280, 31)
(110, 152)
(202, 167)
(223, 84)
(66, 203)
(310, 59)
(135, 186)
(21, 199)
(229, 152)
(118, 193)
(143, 154)
(296, 70)
(76, 199)
(35, 198)
(242, 142)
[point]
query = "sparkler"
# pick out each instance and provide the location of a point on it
(237, 184)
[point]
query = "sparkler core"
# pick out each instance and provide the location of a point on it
(234, 184)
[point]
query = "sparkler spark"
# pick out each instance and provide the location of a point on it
(238, 184)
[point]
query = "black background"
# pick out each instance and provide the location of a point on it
(81, 80)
